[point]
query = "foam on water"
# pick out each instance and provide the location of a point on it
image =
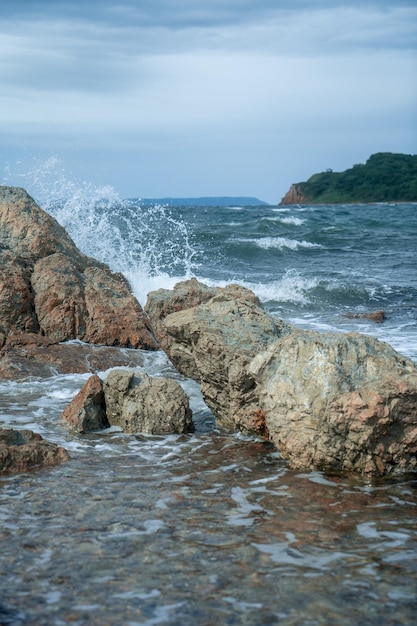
(280, 243)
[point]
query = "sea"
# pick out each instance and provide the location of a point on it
(213, 528)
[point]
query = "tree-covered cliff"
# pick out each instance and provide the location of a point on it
(385, 177)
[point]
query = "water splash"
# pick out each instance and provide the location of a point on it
(148, 244)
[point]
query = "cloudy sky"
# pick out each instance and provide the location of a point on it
(206, 97)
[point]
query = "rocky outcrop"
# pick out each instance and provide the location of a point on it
(328, 401)
(24, 450)
(214, 343)
(293, 196)
(339, 402)
(135, 402)
(30, 354)
(48, 286)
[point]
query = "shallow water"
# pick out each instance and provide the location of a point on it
(207, 529)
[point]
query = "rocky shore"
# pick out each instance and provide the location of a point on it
(328, 401)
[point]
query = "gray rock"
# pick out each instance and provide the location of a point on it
(141, 404)
(214, 343)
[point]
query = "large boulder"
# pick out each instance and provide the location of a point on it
(328, 401)
(24, 450)
(186, 295)
(214, 343)
(48, 286)
(339, 402)
(139, 403)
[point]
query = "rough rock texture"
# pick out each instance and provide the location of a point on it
(141, 404)
(186, 295)
(24, 450)
(87, 410)
(339, 402)
(293, 196)
(48, 286)
(214, 343)
(29, 354)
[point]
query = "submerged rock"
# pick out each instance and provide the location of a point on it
(24, 450)
(48, 286)
(30, 354)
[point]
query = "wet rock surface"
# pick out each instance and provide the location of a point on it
(31, 355)
(214, 344)
(139, 403)
(87, 411)
(24, 450)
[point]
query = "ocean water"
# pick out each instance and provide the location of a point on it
(213, 528)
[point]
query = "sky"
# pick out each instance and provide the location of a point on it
(185, 98)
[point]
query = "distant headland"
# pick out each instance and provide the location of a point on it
(385, 177)
(205, 201)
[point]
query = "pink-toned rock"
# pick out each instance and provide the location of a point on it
(24, 450)
(339, 402)
(48, 286)
(16, 297)
(87, 410)
(293, 196)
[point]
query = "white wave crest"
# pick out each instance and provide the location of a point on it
(291, 287)
(279, 243)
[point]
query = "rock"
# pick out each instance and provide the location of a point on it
(293, 196)
(48, 286)
(213, 343)
(24, 450)
(16, 297)
(141, 404)
(339, 402)
(375, 316)
(186, 295)
(87, 411)
(29, 354)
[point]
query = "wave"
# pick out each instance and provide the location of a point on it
(146, 243)
(280, 243)
(296, 221)
(292, 287)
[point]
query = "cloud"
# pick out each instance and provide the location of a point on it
(156, 77)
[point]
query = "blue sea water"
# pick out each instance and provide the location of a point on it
(213, 528)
